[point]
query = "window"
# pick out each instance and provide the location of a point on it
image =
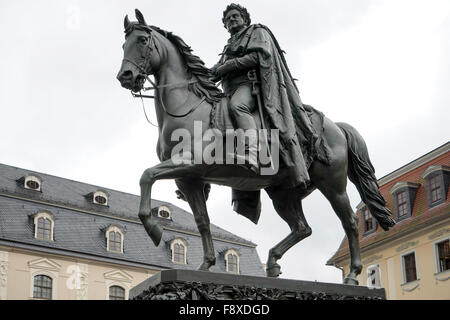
(369, 224)
(115, 241)
(404, 194)
(43, 226)
(116, 293)
(42, 288)
(115, 238)
(232, 261)
(178, 253)
(437, 179)
(402, 205)
(164, 212)
(374, 276)
(409, 265)
(44, 229)
(443, 255)
(32, 182)
(178, 247)
(100, 198)
(435, 189)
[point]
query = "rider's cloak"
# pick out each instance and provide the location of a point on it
(280, 96)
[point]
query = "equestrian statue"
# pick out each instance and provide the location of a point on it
(273, 141)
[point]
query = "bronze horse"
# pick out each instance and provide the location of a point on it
(185, 94)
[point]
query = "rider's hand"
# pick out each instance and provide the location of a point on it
(225, 68)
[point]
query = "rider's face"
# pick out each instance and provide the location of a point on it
(234, 21)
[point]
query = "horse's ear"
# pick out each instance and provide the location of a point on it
(126, 22)
(140, 17)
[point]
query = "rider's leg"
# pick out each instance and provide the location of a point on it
(241, 105)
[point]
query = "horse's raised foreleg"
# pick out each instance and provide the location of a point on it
(193, 192)
(288, 204)
(153, 229)
(165, 170)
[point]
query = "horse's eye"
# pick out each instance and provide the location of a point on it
(143, 40)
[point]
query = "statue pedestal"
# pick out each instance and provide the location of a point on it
(199, 285)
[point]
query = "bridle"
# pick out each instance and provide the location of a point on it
(143, 68)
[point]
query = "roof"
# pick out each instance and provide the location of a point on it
(421, 215)
(80, 224)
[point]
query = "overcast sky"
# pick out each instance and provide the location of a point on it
(381, 66)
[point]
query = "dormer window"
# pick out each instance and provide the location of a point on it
(232, 261)
(164, 212)
(32, 182)
(44, 226)
(101, 198)
(179, 249)
(404, 194)
(437, 179)
(114, 239)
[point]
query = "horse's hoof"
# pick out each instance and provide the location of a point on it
(351, 281)
(273, 271)
(203, 267)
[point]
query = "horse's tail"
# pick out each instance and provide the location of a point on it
(362, 173)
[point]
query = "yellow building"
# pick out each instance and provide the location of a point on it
(63, 239)
(411, 260)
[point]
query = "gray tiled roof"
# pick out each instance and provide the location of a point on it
(80, 225)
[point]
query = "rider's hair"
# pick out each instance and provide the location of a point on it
(243, 11)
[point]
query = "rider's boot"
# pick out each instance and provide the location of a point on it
(247, 150)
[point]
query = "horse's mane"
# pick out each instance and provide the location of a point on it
(196, 67)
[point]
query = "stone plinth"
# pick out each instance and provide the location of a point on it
(199, 285)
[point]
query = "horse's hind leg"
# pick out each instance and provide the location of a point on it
(334, 189)
(288, 204)
(193, 192)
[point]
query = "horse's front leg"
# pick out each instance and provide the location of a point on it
(165, 170)
(153, 229)
(193, 192)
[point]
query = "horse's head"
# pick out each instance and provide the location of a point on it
(140, 57)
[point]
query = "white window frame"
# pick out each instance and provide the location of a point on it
(118, 278)
(47, 268)
(45, 215)
(369, 280)
(122, 237)
(172, 248)
(236, 253)
(436, 255)
(32, 178)
(102, 194)
(165, 208)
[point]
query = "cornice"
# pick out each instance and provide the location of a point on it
(407, 232)
(414, 164)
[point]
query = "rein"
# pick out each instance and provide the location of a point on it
(155, 87)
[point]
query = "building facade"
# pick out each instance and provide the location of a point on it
(63, 239)
(412, 259)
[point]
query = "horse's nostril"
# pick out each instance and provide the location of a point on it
(126, 75)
